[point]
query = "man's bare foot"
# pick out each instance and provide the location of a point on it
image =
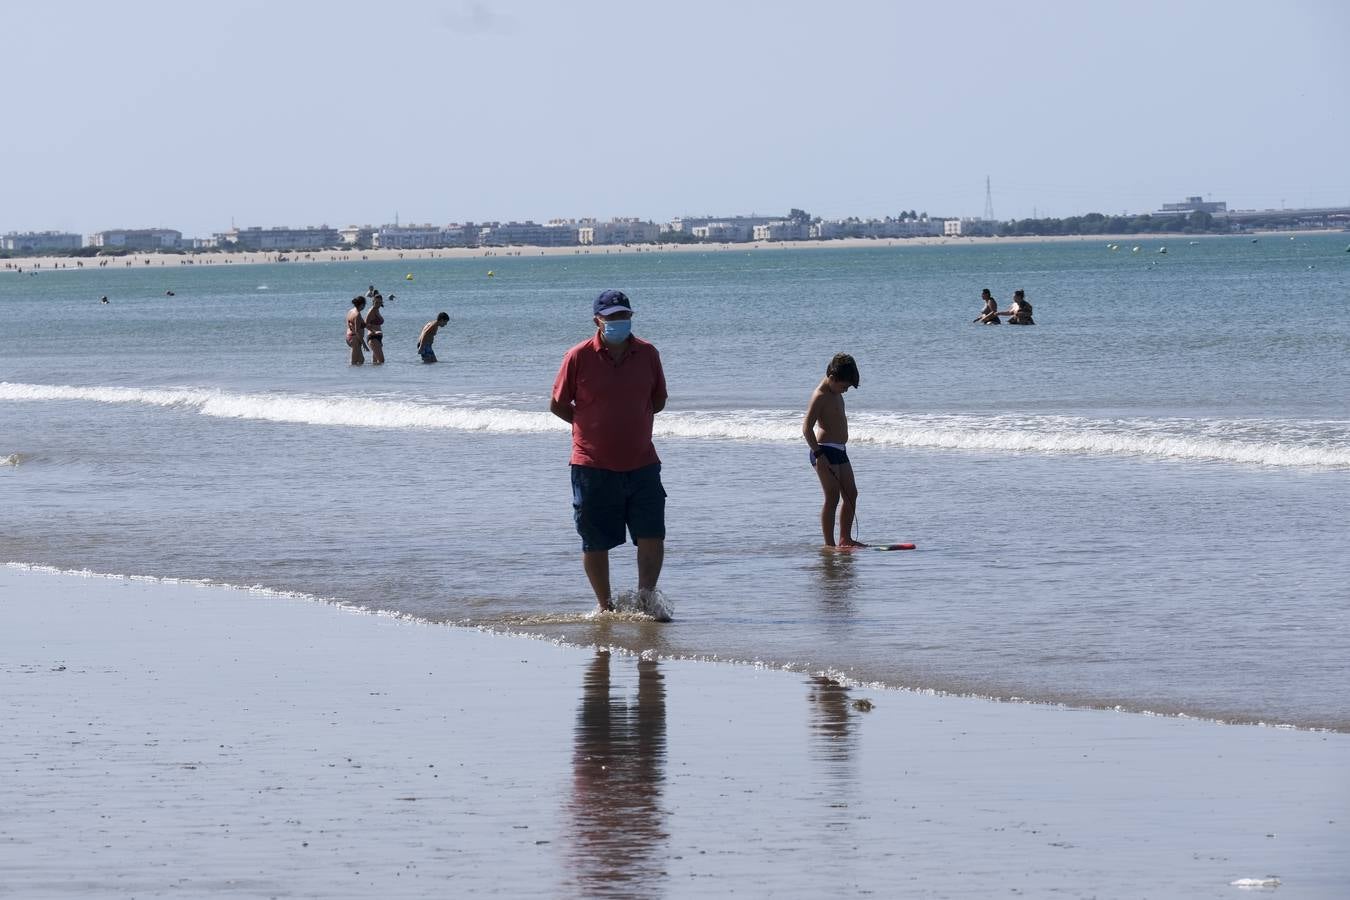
(851, 544)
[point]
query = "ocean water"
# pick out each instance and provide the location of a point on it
(1138, 503)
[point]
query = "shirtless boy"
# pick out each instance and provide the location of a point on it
(826, 431)
(427, 338)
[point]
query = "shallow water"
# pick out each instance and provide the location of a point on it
(1137, 503)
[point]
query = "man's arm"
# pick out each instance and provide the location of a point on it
(659, 394)
(564, 411)
(562, 401)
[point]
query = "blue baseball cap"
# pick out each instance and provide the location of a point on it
(611, 302)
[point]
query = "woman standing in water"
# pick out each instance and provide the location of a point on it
(356, 331)
(374, 330)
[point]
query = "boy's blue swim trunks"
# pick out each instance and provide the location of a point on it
(835, 456)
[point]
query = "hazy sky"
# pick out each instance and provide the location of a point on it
(189, 115)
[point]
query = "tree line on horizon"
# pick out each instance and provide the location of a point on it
(1097, 223)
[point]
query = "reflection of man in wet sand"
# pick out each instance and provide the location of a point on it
(618, 774)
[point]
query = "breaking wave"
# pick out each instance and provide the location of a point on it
(1259, 442)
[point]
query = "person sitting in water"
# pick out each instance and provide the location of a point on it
(988, 315)
(1020, 311)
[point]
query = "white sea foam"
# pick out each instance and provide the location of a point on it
(1260, 442)
(1269, 881)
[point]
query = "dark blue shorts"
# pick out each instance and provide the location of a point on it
(604, 503)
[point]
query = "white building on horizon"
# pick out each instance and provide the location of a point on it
(618, 231)
(36, 241)
(137, 239)
(729, 232)
(969, 226)
(1192, 205)
(408, 237)
(357, 235)
(557, 233)
(782, 230)
(311, 237)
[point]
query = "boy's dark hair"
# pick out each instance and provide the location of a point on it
(442, 317)
(843, 368)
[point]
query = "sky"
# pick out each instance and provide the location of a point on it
(197, 115)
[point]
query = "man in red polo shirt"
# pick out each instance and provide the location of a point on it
(609, 388)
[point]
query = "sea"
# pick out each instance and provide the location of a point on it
(1140, 503)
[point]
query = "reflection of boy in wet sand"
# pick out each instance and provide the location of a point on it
(826, 431)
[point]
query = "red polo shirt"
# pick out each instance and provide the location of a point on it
(613, 403)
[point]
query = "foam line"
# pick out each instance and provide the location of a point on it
(1260, 442)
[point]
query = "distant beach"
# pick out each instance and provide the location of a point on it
(219, 257)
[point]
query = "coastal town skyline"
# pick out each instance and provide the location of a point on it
(520, 110)
(1194, 213)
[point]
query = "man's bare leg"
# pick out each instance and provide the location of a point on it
(651, 553)
(596, 564)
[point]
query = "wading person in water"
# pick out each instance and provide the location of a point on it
(427, 338)
(356, 331)
(988, 315)
(375, 331)
(1020, 311)
(826, 431)
(610, 387)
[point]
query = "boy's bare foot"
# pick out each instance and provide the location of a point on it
(850, 544)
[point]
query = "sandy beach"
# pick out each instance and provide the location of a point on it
(218, 258)
(180, 740)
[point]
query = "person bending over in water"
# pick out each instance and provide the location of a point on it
(1020, 311)
(826, 431)
(988, 315)
(356, 331)
(428, 336)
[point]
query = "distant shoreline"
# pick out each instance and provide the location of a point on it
(220, 257)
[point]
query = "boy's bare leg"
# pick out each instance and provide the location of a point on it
(829, 483)
(596, 564)
(848, 506)
(651, 553)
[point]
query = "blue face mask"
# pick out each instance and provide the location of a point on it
(617, 332)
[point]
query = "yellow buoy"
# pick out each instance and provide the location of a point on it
(491, 273)
(408, 277)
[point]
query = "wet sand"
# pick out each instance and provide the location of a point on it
(175, 740)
